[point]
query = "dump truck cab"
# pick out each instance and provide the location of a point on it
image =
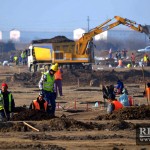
(39, 56)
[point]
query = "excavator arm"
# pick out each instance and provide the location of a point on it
(82, 46)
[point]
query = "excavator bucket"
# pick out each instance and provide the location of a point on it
(146, 30)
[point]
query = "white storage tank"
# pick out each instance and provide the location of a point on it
(0, 35)
(77, 33)
(15, 35)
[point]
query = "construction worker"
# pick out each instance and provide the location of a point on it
(23, 56)
(16, 60)
(120, 65)
(39, 103)
(147, 93)
(133, 59)
(58, 81)
(107, 90)
(146, 59)
(46, 85)
(7, 104)
(119, 87)
(113, 104)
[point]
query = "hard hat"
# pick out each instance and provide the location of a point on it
(56, 64)
(128, 65)
(4, 84)
(54, 67)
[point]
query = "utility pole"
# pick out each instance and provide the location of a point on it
(88, 21)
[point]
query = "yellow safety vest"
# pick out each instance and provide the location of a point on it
(48, 85)
(2, 101)
(23, 55)
(145, 58)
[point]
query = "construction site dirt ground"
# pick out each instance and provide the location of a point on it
(79, 123)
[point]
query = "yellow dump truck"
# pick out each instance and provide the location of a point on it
(43, 55)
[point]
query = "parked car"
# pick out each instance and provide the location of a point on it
(146, 49)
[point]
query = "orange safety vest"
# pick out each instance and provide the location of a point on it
(120, 62)
(148, 93)
(117, 104)
(58, 75)
(37, 106)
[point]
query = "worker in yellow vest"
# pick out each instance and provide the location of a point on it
(7, 104)
(46, 85)
(145, 59)
(16, 60)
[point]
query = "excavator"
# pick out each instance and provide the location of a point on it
(84, 45)
(80, 54)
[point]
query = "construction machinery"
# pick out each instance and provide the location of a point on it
(76, 54)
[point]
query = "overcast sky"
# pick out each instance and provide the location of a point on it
(67, 15)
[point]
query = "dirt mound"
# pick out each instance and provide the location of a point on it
(86, 137)
(19, 109)
(50, 123)
(30, 146)
(71, 77)
(128, 113)
(119, 125)
(64, 124)
(26, 79)
(34, 115)
(56, 39)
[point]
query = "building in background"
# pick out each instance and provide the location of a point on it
(1, 37)
(121, 35)
(28, 36)
(77, 33)
(15, 35)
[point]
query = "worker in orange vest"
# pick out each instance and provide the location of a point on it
(147, 92)
(58, 81)
(113, 104)
(120, 65)
(39, 103)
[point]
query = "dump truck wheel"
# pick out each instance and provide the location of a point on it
(30, 68)
(33, 68)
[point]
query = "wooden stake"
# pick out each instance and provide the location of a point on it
(75, 107)
(78, 82)
(87, 106)
(30, 126)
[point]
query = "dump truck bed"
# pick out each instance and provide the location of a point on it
(42, 54)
